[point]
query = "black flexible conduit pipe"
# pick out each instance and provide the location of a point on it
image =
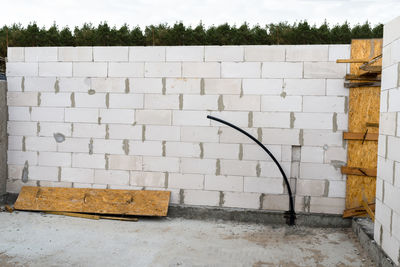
(291, 213)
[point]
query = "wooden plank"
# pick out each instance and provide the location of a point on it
(86, 200)
(370, 213)
(363, 107)
(373, 78)
(91, 216)
(372, 124)
(372, 69)
(357, 211)
(360, 136)
(362, 84)
(352, 60)
(358, 171)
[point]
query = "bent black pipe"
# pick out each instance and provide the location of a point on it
(290, 214)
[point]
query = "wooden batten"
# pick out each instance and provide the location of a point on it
(360, 136)
(359, 171)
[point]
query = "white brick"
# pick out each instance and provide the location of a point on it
(201, 69)
(199, 134)
(14, 171)
(238, 118)
(125, 131)
(15, 54)
(160, 164)
(78, 175)
(147, 53)
(55, 100)
(22, 69)
(123, 162)
(73, 84)
(101, 146)
(201, 166)
(28, 99)
(236, 167)
(35, 54)
(154, 179)
(200, 102)
(190, 118)
(310, 187)
(393, 148)
(286, 153)
(19, 157)
(337, 189)
(157, 101)
(89, 130)
(242, 200)
(167, 133)
(21, 128)
(282, 70)
(382, 140)
(322, 137)
(312, 154)
(33, 143)
(313, 121)
(43, 173)
(39, 84)
(47, 114)
(109, 85)
(182, 86)
(394, 103)
(85, 100)
(55, 69)
(117, 115)
(275, 202)
(111, 177)
(379, 189)
(90, 69)
(305, 86)
(50, 128)
(110, 53)
(335, 153)
(339, 52)
(54, 159)
(324, 70)
(84, 160)
(336, 87)
(74, 145)
(391, 246)
(390, 31)
(387, 123)
(122, 69)
(222, 86)
(263, 185)
(323, 104)
(223, 183)
(240, 70)
(271, 119)
(184, 53)
(175, 196)
(170, 69)
(264, 53)
(146, 148)
(244, 103)
(80, 53)
(270, 170)
(224, 151)
(327, 205)
(82, 185)
(319, 171)
(19, 114)
(278, 103)
(14, 84)
(262, 86)
(157, 117)
(185, 181)
(182, 149)
(131, 101)
(224, 53)
(81, 115)
(384, 101)
(146, 85)
(391, 54)
(14, 186)
(307, 53)
(14, 143)
(200, 197)
(255, 152)
(280, 136)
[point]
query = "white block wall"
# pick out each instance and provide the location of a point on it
(135, 118)
(387, 223)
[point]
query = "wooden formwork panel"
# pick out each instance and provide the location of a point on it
(86, 200)
(364, 103)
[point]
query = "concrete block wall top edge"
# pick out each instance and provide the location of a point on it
(146, 126)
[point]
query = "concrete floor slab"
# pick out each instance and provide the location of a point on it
(36, 239)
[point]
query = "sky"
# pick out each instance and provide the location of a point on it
(191, 12)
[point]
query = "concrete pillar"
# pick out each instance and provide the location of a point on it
(3, 139)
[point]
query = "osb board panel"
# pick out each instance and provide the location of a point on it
(363, 109)
(85, 200)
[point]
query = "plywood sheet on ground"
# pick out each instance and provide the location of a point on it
(363, 110)
(102, 201)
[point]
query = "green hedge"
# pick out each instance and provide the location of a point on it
(179, 34)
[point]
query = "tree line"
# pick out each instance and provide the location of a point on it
(179, 34)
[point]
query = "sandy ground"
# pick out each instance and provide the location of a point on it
(36, 239)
